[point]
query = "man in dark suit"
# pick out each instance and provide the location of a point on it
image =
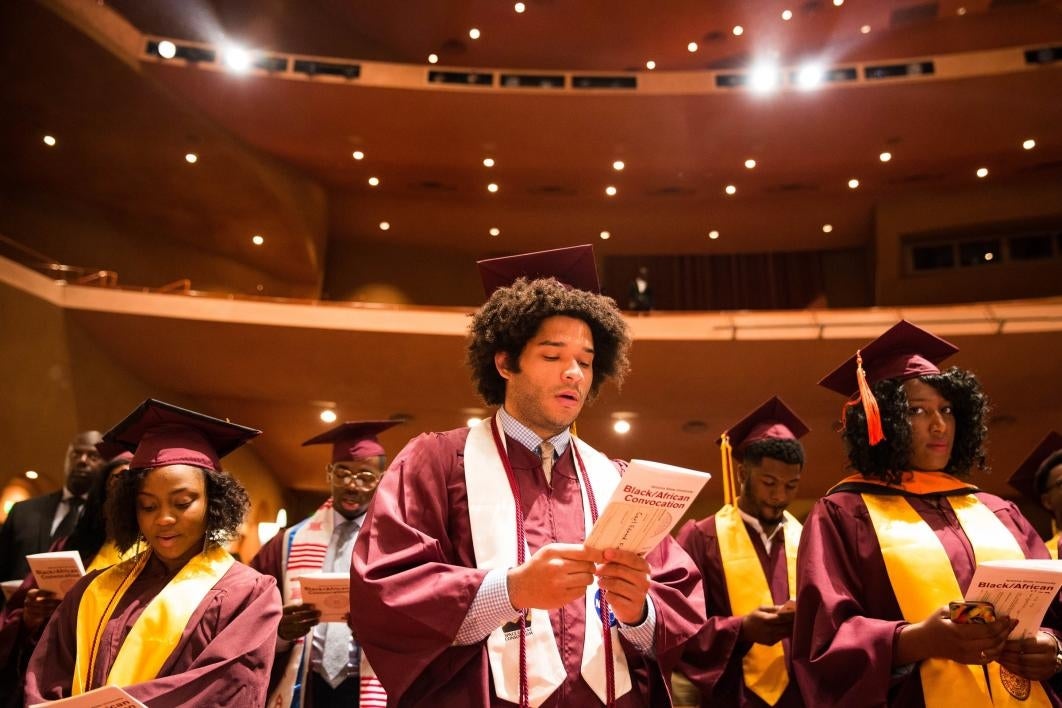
(33, 524)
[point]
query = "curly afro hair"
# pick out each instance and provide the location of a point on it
(890, 458)
(227, 503)
(790, 452)
(512, 315)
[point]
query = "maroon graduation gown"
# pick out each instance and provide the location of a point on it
(222, 658)
(847, 614)
(414, 575)
(712, 659)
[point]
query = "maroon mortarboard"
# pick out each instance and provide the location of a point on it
(772, 420)
(111, 451)
(354, 440)
(573, 266)
(1031, 475)
(903, 352)
(164, 434)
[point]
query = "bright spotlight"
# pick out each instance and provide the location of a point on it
(167, 49)
(328, 415)
(763, 78)
(622, 427)
(810, 76)
(237, 58)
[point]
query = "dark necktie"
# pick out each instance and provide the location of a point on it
(66, 526)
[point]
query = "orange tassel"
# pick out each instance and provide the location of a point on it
(870, 404)
(729, 481)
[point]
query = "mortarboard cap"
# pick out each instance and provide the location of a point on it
(573, 266)
(164, 434)
(112, 451)
(1031, 475)
(772, 420)
(354, 440)
(903, 352)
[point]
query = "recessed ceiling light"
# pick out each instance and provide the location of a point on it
(49, 140)
(358, 155)
(1028, 144)
(810, 75)
(257, 240)
(605, 235)
(622, 427)
(433, 58)
(473, 33)
(738, 30)
(691, 47)
(519, 7)
(492, 188)
(31, 474)
(787, 15)
(764, 78)
(473, 422)
(838, 3)
(191, 158)
(885, 156)
(618, 165)
(731, 189)
(328, 415)
(982, 172)
(827, 228)
(495, 231)
(488, 162)
(865, 29)
(713, 234)
(650, 65)
(610, 191)
(374, 181)
(853, 183)
(167, 49)
(989, 256)
(384, 225)
(750, 163)
(961, 11)
(237, 58)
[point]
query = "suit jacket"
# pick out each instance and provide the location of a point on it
(28, 529)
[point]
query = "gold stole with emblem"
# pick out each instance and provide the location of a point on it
(749, 589)
(157, 630)
(923, 581)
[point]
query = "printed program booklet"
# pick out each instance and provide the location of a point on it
(328, 592)
(56, 571)
(649, 500)
(102, 697)
(1019, 589)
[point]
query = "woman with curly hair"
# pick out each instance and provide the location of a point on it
(886, 550)
(180, 623)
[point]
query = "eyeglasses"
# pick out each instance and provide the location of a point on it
(363, 480)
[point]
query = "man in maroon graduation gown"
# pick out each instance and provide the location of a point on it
(886, 550)
(437, 624)
(302, 676)
(742, 555)
(1039, 477)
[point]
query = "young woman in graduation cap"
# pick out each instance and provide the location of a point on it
(886, 550)
(181, 623)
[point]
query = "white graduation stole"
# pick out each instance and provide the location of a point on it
(492, 516)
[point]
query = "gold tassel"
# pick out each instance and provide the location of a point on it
(729, 481)
(870, 404)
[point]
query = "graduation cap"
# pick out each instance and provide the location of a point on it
(1031, 475)
(573, 267)
(355, 439)
(903, 352)
(773, 420)
(164, 434)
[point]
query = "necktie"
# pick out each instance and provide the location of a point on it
(546, 451)
(66, 526)
(337, 635)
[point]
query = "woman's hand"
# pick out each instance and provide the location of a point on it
(38, 608)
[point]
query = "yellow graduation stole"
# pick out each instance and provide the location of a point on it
(156, 632)
(749, 589)
(1052, 545)
(108, 555)
(923, 580)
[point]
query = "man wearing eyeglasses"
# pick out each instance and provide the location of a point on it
(32, 525)
(319, 664)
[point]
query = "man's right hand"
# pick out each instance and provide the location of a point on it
(767, 625)
(555, 575)
(296, 620)
(38, 607)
